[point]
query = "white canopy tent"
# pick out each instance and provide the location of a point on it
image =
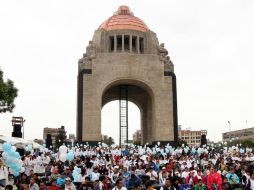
(18, 142)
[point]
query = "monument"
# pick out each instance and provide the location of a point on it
(124, 61)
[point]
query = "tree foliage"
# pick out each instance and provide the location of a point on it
(8, 92)
(243, 143)
(109, 141)
(138, 143)
(61, 137)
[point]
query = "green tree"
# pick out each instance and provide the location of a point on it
(8, 92)
(61, 137)
(138, 143)
(243, 143)
(109, 141)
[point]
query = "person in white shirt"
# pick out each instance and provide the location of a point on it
(185, 173)
(119, 185)
(3, 174)
(95, 174)
(69, 185)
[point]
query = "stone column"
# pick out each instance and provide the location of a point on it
(115, 43)
(130, 42)
(138, 45)
(122, 42)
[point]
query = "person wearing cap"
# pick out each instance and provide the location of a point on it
(69, 185)
(163, 169)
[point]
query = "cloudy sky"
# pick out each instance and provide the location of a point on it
(210, 42)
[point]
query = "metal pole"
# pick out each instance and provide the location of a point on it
(229, 130)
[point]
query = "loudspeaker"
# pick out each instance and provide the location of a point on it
(17, 131)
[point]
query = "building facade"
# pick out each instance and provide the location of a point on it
(192, 138)
(54, 132)
(125, 54)
(243, 134)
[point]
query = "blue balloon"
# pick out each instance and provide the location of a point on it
(17, 155)
(8, 162)
(12, 153)
(16, 174)
(70, 156)
(6, 147)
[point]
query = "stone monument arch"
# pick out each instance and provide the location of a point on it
(125, 61)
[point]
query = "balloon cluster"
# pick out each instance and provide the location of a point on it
(12, 159)
(76, 174)
(70, 156)
(64, 155)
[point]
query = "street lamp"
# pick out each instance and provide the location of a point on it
(229, 130)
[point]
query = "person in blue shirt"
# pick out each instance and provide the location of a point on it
(126, 176)
(184, 185)
(232, 177)
(61, 180)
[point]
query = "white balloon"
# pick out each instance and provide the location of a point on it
(63, 157)
(14, 148)
(4, 155)
(63, 149)
(22, 170)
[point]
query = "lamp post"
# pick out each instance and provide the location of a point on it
(229, 130)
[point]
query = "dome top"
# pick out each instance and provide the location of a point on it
(124, 19)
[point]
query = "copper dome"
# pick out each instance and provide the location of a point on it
(124, 19)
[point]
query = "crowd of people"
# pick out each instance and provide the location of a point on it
(134, 167)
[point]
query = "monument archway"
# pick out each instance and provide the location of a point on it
(110, 122)
(139, 94)
(125, 54)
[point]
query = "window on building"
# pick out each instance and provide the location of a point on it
(141, 45)
(111, 43)
(119, 43)
(126, 43)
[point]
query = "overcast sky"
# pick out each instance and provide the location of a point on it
(211, 44)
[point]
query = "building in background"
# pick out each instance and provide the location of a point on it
(193, 138)
(137, 136)
(243, 134)
(53, 132)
